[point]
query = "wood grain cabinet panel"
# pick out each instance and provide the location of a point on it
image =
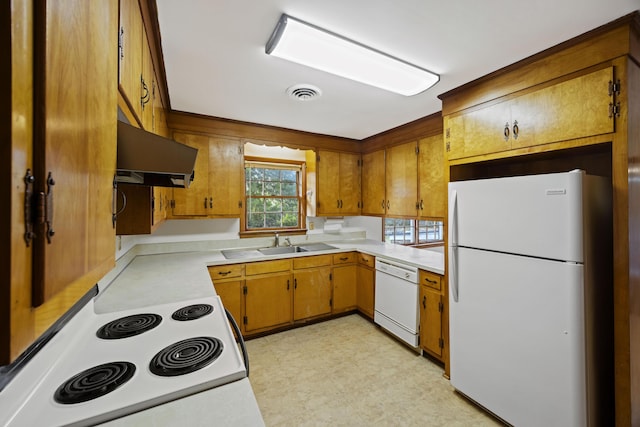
(230, 292)
(431, 320)
(338, 183)
(344, 278)
(560, 111)
(365, 292)
(312, 293)
(373, 183)
(194, 201)
(402, 179)
(432, 186)
(267, 301)
(131, 54)
(75, 143)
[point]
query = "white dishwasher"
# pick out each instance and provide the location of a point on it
(396, 300)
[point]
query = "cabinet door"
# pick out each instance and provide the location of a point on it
(432, 186)
(328, 165)
(195, 200)
(373, 177)
(130, 63)
(349, 187)
(431, 320)
(231, 295)
(226, 176)
(366, 290)
(572, 109)
(147, 87)
(267, 301)
(479, 132)
(344, 287)
(75, 121)
(402, 179)
(312, 293)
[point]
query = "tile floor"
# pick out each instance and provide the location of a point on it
(348, 372)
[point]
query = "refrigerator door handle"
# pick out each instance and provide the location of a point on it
(453, 218)
(453, 244)
(453, 272)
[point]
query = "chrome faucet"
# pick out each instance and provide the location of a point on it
(287, 241)
(277, 241)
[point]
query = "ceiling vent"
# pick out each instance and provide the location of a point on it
(304, 92)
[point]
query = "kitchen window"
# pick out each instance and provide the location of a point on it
(273, 193)
(413, 231)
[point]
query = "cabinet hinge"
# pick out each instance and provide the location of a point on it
(240, 204)
(317, 157)
(172, 204)
(448, 146)
(330, 276)
(330, 302)
(28, 207)
(440, 343)
(440, 307)
(244, 320)
(448, 133)
(44, 208)
(417, 150)
(244, 291)
(614, 109)
(121, 43)
(614, 87)
(240, 150)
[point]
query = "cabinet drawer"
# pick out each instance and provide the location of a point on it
(431, 280)
(267, 267)
(346, 258)
(311, 261)
(366, 259)
(226, 271)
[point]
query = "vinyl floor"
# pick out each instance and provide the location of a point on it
(349, 372)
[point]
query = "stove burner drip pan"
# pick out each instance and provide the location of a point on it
(129, 326)
(186, 356)
(192, 312)
(94, 382)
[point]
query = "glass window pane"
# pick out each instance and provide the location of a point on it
(256, 174)
(256, 205)
(273, 205)
(273, 220)
(290, 205)
(272, 175)
(289, 176)
(271, 188)
(256, 220)
(255, 188)
(289, 189)
(290, 219)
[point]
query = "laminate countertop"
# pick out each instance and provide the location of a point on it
(165, 273)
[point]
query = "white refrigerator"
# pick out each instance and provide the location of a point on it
(530, 297)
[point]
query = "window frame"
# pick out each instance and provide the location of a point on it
(415, 231)
(300, 167)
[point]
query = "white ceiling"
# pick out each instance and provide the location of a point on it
(216, 64)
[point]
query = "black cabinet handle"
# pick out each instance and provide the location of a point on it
(516, 129)
(506, 132)
(424, 301)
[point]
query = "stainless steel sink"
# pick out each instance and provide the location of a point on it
(312, 247)
(281, 250)
(241, 253)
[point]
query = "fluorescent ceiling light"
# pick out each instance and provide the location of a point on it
(314, 47)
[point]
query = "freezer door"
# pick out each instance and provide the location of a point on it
(517, 337)
(536, 215)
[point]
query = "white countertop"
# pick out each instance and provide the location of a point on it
(165, 273)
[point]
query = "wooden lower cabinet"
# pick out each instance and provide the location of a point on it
(267, 301)
(231, 294)
(312, 293)
(344, 280)
(269, 295)
(365, 284)
(431, 307)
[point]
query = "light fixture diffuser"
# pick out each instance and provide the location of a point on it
(306, 44)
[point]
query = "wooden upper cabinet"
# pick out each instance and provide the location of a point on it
(402, 179)
(76, 73)
(226, 176)
(217, 188)
(338, 183)
(148, 87)
(373, 182)
(552, 112)
(194, 201)
(131, 57)
(432, 197)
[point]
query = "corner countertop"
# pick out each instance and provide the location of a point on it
(155, 274)
(148, 277)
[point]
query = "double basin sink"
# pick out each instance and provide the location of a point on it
(280, 250)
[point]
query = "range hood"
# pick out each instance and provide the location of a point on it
(149, 159)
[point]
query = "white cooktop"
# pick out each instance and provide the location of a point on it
(29, 399)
